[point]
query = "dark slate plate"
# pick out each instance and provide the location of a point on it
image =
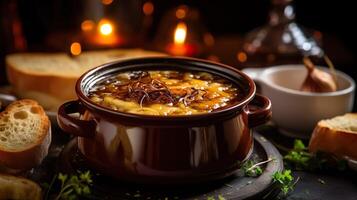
(234, 187)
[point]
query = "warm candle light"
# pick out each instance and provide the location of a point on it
(180, 33)
(105, 35)
(105, 27)
(76, 48)
(179, 46)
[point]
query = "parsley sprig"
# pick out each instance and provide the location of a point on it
(252, 169)
(299, 158)
(219, 197)
(285, 181)
(72, 186)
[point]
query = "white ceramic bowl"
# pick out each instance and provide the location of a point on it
(296, 112)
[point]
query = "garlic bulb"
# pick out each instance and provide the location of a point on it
(317, 80)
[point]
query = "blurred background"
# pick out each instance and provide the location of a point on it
(216, 30)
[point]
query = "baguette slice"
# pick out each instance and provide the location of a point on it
(50, 78)
(12, 187)
(337, 136)
(25, 135)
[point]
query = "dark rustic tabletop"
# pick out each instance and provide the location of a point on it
(311, 186)
(324, 185)
(330, 185)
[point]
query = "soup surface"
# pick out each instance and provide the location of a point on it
(165, 92)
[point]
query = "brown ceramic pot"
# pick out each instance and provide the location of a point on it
(165, 149)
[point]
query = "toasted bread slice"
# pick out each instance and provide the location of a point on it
(25, 135)
(50, 78)
(337, 136)
(12, 187)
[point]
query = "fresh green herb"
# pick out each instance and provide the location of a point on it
(285, 181)
(252, 169)
(300, 159)
(298, 156)
(72, 186)
(299, 145)
(219, 197)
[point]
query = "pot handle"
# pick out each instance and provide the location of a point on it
(73, 125)
(258, 111)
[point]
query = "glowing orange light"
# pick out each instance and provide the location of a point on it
(76, 48)
(87, 25)
(107, 2)
(180, 33)
(148, 8)
(105, 27)
(181, 12)
(242, 57)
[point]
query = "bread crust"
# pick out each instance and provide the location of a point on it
(32, 155)
(58, 86)
(56, 89)
(12, 187)
(337, 142)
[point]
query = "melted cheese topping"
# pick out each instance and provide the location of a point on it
(211, 93)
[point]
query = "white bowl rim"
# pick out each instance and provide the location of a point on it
(273, 69)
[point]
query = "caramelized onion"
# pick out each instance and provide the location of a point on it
(165, 92)
(145, 90)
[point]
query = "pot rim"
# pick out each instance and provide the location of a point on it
(230, 111)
